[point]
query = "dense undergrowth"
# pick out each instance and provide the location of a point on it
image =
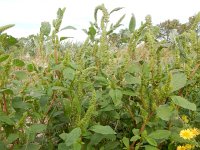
(91, 96)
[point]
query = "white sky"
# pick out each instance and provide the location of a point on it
(28, 14)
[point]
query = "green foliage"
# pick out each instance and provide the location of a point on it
(90, 96)
(7, 41)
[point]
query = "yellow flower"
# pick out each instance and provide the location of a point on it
(195, 131)
(185, 118)
(188, 146)
(187, 134)
(181, 148)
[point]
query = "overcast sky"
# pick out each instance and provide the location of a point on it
(28, 14)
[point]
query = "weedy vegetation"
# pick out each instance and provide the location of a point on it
(92, 96)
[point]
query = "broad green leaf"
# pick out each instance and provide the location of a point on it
(178, 81)
(30, 67)
(18, 103)
(62, 146)
(184, 103)
(69, 73)
(37, 128)
(5, 119)
(135, 138)
(160, 134)
(2, 146)
(131, 79)
(102, 129)
(111, 145)
(136, 131)
(31, 146)
(36, 93)
(77, 146)
(101, 80)
(20, 75)
(164, 112)
(18, 63)
(126, 142)
(96, 138)
(116, 96)
(151, 141)
(129, 92)
(72, 137)
(4, 57)
(12, 137)
(134, 68)
(149, 147)
(7, 91)
(132, 24)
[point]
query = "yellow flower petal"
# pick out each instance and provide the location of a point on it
(181, 148)
(195, 131)
(188, 146)
(187, 134)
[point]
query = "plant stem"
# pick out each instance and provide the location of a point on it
(142, 129)
(4, 104)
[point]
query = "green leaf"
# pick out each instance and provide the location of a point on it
(30, 67)
(160, 134)
(184, 103)
(131, 79)
(62, 146)
(2, 146)
(59, 88)
(31, 146)
(18, 63)
(18, 103)
(164, 112)
(116, 9)
(69, 73)
(149, 147)
(7, 91)
(101, 80)
(72, 137)
(126, 142)
(37, 128)
(20, 75)
(111, 145)
(4, 57)
(68, 27)
(129, 92)
(135, 138)
(132, 24)
(102, 129)
(92, 32)
(64, 38)
(151, 141)
(12, 137)
(134, 68)
(5, 119)
(178, 81)
(96, 138)
(136, 131)
(116, 96)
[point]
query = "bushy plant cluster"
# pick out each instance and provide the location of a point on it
(91, 97)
